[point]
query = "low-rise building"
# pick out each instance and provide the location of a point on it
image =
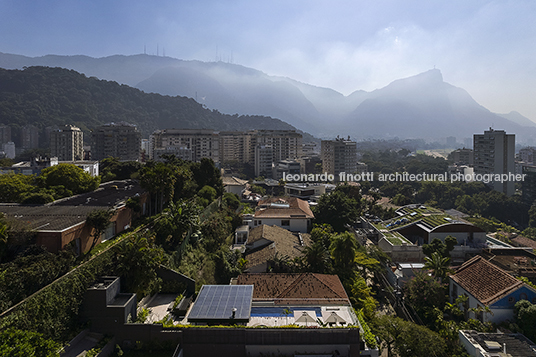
(488, 286)
(290, 213)
(266, 243)
(57, 224)
(484, 344)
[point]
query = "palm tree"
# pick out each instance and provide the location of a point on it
(438, 264)
(316, 257)
(343, 248)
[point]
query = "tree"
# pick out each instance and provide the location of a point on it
(3, 236)
(178, 220)
(438, 264)
(18, 343)
(425, 293)
(408, 339)
(13, 186)
(343, 248)
(316, 257)
(99, 220)
(525, 317)
(337, 210)
(136, 261)
(71, 177)
(159, 179)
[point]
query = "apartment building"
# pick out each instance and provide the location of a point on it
(120, 140)
(5, 134)
(187, 144)
(29, 135)
(339, 155)
(67, 144)
(494, 153)
(463, 156)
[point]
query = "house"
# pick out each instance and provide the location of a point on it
(234, 185)
(488, 286)
(57, 224)
(276, 300)
(521, 241)
(300, 289)
(402, 237)
(482, 344)
(289, 212)
(266, 242)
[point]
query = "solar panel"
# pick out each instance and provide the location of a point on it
(220, 302)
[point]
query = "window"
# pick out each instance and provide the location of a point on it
(285, 222)
(511, 299)
(523, 296)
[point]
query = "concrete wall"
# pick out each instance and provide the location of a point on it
(404, 253)
(253, 342)
(296, 225)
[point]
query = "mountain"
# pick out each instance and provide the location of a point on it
(48, 97)
(422, 106)
(518, 118)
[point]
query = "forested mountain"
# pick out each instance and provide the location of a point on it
(422, 106)
(46, 97)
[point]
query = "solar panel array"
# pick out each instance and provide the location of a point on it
(216, 302)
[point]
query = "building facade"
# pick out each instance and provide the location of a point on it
(494, 153)
(120, 140)
(186, 144)
(67, 144)
(339, 155)
(29, 135)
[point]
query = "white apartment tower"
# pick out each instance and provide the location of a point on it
(494, 153)
(67, 144)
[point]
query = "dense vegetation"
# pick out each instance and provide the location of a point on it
(53, 183)
(46, 97)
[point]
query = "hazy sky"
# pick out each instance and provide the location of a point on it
(485, 47)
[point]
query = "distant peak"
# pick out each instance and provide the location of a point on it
(433, 74)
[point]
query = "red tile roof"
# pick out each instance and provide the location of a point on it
(486, 282)
(285, 242)
(522, 241)
(296, 289)
(297, 208)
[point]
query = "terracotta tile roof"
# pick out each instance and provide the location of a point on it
(486, 282)
(297, 208)
(524, 242)
(296, 289)
(279, 240)
(233, 181)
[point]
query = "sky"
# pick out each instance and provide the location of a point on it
(486, 47)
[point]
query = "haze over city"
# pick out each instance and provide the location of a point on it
(485, 47)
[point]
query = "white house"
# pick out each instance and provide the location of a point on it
(290, 213)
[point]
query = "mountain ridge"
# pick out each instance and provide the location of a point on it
(422, 106)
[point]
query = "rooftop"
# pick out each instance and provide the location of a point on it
(219, 303)
(287, 207)
(426, 218)
(233, 181)
(516, 344)
(522, 241)
(486, 282)
(296, 289)
(278, 240)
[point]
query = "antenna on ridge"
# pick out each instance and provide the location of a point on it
(144, 49)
